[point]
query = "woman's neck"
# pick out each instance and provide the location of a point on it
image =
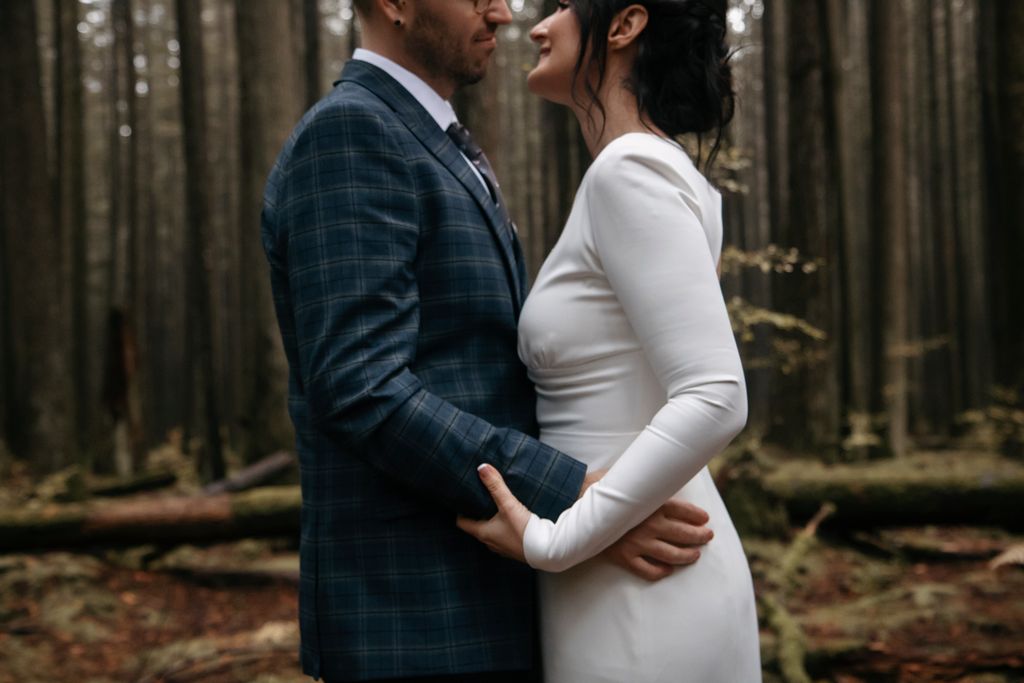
(618, 115)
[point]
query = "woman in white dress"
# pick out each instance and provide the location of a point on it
(626, 336)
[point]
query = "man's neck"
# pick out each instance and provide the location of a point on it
(442, 86)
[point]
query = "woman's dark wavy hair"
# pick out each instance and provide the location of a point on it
(682, 78)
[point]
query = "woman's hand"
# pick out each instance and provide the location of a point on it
(502, 533)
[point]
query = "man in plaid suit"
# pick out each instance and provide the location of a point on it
(398, 280)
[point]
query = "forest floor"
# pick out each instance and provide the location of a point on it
(900, 605)
(937, 613)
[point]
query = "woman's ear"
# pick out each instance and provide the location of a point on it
(626, 26)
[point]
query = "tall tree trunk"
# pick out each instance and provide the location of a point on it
(747, 221)
(311, 50)
(889, 75)
(1003, 64)
(123, 349)
(850, 107)
(809, 415)
(71, 207)
(144, 301)
(39, 424)
(197, 178)
(271, 103)
(967, 131)
(7, 367)
(227, 267)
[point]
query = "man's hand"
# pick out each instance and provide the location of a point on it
(669, 538)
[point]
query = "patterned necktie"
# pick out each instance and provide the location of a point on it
(462, 139)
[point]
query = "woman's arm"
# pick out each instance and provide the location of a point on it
(649, 238)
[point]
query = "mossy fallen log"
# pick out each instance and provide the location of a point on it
(927, 488)
(267, 511)
(147, 481)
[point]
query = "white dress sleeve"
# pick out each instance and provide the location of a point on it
(647, 232)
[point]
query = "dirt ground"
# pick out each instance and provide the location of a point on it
(904, 605)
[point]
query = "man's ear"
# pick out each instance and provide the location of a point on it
(626, 26)
(391, 10)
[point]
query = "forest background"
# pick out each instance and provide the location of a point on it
(872, 199)
(873, 217)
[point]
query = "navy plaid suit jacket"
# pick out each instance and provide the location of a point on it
(397, 296)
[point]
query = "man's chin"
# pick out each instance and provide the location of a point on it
(472, 77)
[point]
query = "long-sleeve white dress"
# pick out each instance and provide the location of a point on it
(626, 336)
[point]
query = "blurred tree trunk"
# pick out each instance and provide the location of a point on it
(71, 207)
(197, 178)
(133, 270)
(975, 323)
(311, 51)
(122, 387)
(850, 116)
(7, 367)
(114, 383)
(1007, 235)
(889, 121)
(40, 388)
(144, 301)
(271, 86)
(353, 32)
(776, 113)
(930, 353)
(747, 225)
(226, 266)
(143, 221)
(804, 216)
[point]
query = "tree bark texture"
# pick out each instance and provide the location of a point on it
(39, 388)
(269, 511)
(271, 103)
(197, 177)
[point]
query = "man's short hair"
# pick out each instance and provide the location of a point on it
(362, 6)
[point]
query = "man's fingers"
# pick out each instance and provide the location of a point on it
(667, 553)
(650, 571)
(676, 532)
(684, 511)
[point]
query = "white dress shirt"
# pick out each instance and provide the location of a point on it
(439, 108)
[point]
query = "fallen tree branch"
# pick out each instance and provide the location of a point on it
(253, 475)
(201, 658)
(791, 647)
(802, 544)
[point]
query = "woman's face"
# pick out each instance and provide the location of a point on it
(558, 37)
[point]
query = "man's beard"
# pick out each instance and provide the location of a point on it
(431, 45)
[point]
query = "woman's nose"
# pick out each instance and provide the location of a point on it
(538, 32)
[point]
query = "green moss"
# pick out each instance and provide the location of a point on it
(266, 501)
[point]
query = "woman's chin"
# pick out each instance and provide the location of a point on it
(531, 81)
(536, 84)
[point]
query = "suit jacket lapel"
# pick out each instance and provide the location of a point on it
(425, 128)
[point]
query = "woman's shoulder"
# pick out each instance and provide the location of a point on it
(641, 162)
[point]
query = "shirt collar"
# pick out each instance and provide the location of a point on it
(438, 107)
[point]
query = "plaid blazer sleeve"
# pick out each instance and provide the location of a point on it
(351, 244)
